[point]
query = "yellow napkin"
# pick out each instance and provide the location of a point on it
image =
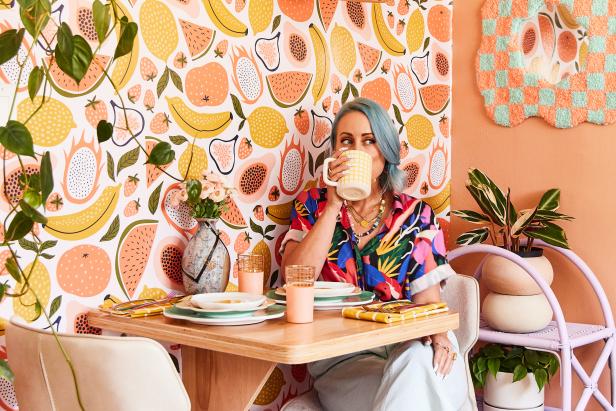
(381, 312)
(139, 308)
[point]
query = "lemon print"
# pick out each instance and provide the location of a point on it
(343, 50)
(40, 285)
(50, 125)
(158, 29)
(415, 31)
(419, 131)
(271, 389)
(198, 164)
(267, 127)
(153, 293)
(231, 288)
(260, 14)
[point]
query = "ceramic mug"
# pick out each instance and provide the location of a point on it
(357, 184)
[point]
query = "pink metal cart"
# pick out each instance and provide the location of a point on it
(561, 336)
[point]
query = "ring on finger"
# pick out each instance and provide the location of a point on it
(454, 355)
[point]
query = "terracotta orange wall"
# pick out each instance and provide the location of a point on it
(531, 158)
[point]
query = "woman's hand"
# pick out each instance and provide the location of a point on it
(337, 169)
(444, 353)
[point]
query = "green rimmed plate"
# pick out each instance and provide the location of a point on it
(271, 312)
(329, 302)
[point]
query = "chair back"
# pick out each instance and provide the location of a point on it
(113, 373)
(461, 293)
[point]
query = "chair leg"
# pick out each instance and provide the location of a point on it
(565, 369)
(613, 375)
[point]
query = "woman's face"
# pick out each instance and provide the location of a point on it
(355, 133)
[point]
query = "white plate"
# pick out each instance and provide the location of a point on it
(328, 289)
(187, 305)
(232, 301)
(364, 298)
(254, 319)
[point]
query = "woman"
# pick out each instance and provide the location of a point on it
(389, 243)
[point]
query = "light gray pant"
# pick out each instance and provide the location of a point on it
(391, 378)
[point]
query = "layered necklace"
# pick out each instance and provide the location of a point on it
(364, 222)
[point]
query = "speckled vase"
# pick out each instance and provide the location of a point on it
(206, 262)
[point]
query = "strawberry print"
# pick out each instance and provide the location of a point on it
(96, 110)
(301, 121)
(130, 185)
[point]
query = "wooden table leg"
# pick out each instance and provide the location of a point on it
(219, 381)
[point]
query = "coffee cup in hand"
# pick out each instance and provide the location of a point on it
(356, 184)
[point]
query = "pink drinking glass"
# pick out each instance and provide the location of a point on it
(300, 293)
(250, 273)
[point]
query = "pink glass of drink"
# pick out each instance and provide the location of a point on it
(300, 293)
(250, 273)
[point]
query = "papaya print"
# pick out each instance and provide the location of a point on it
(243, 88)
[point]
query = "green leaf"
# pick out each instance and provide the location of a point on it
(276, 23)
(19, 227)
(541, 377)
(550, 200)
(471, 216)
(345, 93)
(102, 19)
(522, 222)
(55, 304)
(273, 279)
(550, 233)
(482, 364)
(47, 256)
(398, 115)
(73, 53)
(17, 138)
(35, 79)
(475, 236)
(45, 245)
(237, 107)
(161, 154)
(176, 80)
(11, 267)
(128, 31)
(193, 189)
(519, 373)
(493, 365)
(547, 215)
(320, 159)
(34, 15)
(28, 245)
(10, 41)
(154, 197)
(110, 167)
(532, 358)
(553, 365)
(310, 164)
(269, 228)
(104, 131)
(162, 82)
(113, 230)
(46, 177)
(256, 228)
(493, 351)
(426, 42)
(493, 194)
(32, 212)
(128, 159)
(38, 310)
(6, 372)
(177, 140)
(354, 91)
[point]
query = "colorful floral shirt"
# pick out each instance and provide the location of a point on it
(407, 255)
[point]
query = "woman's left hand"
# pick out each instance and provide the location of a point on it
(444, 353)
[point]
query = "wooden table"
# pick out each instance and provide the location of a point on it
(224, 367)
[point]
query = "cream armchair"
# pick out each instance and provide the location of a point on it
(113, 373)
(462, 295)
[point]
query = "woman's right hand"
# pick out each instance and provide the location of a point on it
(337, 169)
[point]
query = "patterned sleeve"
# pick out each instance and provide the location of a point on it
(303, 217)
(429, 252)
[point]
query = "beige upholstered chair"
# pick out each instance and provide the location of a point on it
(113, 373)
(462, 295)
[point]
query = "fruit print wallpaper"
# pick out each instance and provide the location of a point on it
(561, 64)
(246, 88)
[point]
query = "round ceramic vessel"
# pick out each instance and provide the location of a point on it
(501, 393)
(516, 313)
(503, 276)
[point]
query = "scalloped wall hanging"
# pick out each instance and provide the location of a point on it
(551, 59)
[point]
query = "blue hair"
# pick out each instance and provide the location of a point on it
(386, 137)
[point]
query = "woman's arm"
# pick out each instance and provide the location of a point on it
(313, 248)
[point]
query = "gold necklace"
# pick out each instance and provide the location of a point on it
(364, 221)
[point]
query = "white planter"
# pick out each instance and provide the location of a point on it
(502, 393)
(516, 313)
(503, 276)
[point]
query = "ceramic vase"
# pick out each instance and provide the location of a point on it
(206, 262)
(516, 303)
(501, 393)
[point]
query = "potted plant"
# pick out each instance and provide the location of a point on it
(514, 231)
(206, 262)
(513, 378)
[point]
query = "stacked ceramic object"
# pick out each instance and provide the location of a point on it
(515, 303)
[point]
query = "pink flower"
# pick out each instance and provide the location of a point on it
(211, 177)
(183, 194)
(206, 189)
(218, 195)
(175, 199)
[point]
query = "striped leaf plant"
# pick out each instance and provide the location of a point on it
(503, 225)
